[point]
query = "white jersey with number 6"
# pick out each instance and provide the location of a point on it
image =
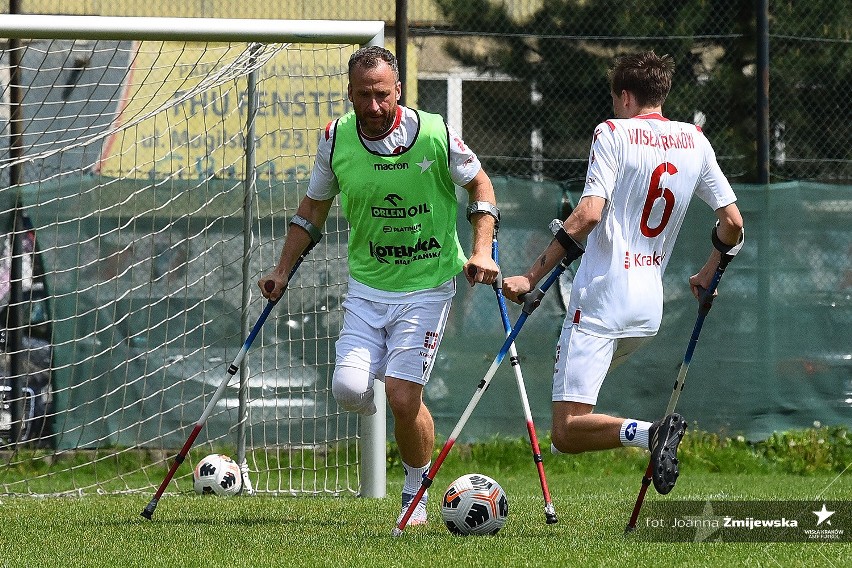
(647, 168)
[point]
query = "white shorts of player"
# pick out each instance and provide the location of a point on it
(583, 361)
(379, 340)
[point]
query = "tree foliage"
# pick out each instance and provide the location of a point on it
(564, 49)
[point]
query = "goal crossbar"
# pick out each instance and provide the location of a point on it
(34, 26)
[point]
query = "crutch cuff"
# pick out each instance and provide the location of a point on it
(483, 207)
(573, 249)
(313, 231)
(726, 249)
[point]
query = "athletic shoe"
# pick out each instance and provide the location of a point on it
(418, 517)
(664, 438)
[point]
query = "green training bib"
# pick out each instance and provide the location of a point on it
(401, 208)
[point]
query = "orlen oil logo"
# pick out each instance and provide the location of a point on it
(396, 211)
(639, 260)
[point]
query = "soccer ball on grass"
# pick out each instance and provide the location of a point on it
(474, 504)
(217, 474)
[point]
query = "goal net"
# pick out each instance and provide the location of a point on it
(149, 169)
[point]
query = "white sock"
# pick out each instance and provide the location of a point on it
(554, 450)
(414, 477)
(634, 433)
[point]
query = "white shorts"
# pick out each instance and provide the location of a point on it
(583, 361)
(394, 340)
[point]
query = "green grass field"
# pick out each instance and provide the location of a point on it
(593, 495)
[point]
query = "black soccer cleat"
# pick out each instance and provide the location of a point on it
(664, 439)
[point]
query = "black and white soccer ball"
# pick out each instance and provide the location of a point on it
(217, 474)
(474, 504)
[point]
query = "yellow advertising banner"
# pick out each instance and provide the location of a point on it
(183, 112)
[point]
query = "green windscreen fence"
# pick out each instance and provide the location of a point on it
(775, 351)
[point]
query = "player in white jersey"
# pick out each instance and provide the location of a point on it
(395, 170)
(643, 170)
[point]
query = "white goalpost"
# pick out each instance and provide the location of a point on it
(149, 168)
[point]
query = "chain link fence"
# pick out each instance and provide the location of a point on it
(810, 71)
(525, 80)
(534, 87)
(524, 83)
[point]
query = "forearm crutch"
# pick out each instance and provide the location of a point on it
(148, 511)
(704, 305)
(549, 510)
(531, 301)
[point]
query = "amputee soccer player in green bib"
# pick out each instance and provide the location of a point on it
(395, 169)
